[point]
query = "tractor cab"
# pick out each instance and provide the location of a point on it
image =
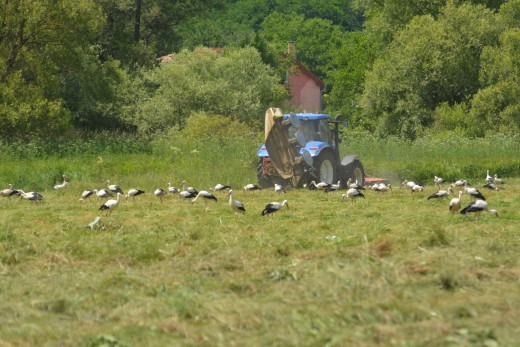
(313, 127)
(301, 147)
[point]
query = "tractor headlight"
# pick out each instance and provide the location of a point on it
(307, 157)
(300, 137)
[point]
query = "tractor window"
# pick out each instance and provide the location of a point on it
(313, 130)
(324, 132)
(306, 128)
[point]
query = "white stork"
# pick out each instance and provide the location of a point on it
(310, 186)
(221, 187)
(274, 207)
(159, 193)
(455, 203)
(31, 196)
(353, 194)
(417, 188)
(408, 184)
(62, 185)
(114, 188)
(354, 185)
(278, 188)
(9, 191)
(381, 187)
(459, 183)
(489, 179)
(205, 195)
(132, 193)
(252, 187)
(87, 194)
(438, 181)
(110, 205)
(321, 185)
(441, 194)
(172, 189)
(104, 193)
(187, 195)
(497, 180)
(333, 187)
(474, 192)
(235, 205)
(477, 207)
(490, 186)
(191, 190)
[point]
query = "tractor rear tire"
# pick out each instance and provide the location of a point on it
(356, 172)
(326, 168)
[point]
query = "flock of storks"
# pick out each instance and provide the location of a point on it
(112, 193)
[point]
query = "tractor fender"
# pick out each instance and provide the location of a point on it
(348, 159)
(315, 147)
(262, 152)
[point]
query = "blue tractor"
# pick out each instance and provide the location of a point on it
(304, 147)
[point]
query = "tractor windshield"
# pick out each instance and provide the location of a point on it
(313, 130)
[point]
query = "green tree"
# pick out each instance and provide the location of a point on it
(350, 65)
(387, 17)
(317, 40)
(496, 107)
(159, 24)
(429, 62)
(42, 44)
(234, 82)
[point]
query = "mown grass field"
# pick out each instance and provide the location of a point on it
(393, 269)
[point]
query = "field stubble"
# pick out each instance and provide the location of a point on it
(392, 269)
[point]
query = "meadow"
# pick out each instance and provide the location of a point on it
(392, 269)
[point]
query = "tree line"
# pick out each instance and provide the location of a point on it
(394, 67)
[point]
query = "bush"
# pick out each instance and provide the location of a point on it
(202, 126)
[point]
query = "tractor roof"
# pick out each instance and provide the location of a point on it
(309, 116)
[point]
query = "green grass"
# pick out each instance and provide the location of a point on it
(451, 156)
(393, 269)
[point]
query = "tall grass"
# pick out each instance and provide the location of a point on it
(172, 157)
(149, 161)
(450, 156)
(77, 144)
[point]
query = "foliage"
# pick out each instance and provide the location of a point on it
(430, 62)
(235, 83)
(43, 47)
(158, 21)
(387, 17)
(454, 118)
(412, 68)
(350, 65)
(497, 104)
(316, 39)
(237, 21)
(203, 127)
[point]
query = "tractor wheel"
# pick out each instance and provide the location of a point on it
(355, 172)
(326, 168)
